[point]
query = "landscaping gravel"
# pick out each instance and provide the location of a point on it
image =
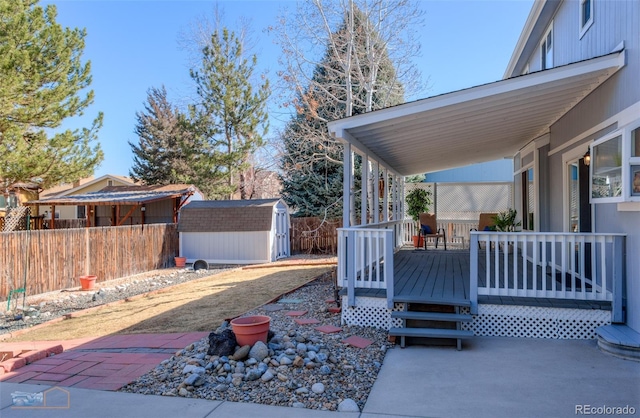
(303, 367)
(44, 307)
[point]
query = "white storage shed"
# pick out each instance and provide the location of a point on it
(234, 231)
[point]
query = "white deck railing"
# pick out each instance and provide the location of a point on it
(365, 257)
(548, 265)
(457, 232)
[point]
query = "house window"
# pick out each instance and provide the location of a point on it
(606, 171)
(546, 50)
(3, 202)
(586, 15)
(82, 212)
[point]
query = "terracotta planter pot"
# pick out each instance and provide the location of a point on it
(87, 282)
(251, 329)
(180, 261)
(418, 241)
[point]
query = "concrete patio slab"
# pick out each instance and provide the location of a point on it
(502, 377)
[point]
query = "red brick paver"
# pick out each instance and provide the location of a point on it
(356, 341)
(110, 368)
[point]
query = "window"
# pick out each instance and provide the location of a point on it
(586, 16)
(81, 212)
(606, 174)
(546, 50)
(3, 202)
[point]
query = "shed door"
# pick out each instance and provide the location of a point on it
(282, 234)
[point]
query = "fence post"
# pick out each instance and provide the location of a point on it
(617, 314)
(473, 273)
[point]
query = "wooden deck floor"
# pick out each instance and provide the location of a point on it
(438, 275)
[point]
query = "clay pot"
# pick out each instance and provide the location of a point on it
(418, 241)
(180, 261)
(251, 329)
(88, 282)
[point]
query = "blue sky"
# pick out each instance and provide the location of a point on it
(133, 45)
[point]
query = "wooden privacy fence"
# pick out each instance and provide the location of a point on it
(312, 235)
(54, 259)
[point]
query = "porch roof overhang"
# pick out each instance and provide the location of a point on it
(473, 125)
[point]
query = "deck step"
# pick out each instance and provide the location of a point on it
(619, 340)
(430, 333)
(427, 301)
(431, 316)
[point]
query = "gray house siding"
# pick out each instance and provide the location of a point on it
(614, 22)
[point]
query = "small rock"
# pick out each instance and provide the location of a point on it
(223, 388)
(253, 374)
(298, 361)
(194, 380)
(325, 370)
(183, 392)
(298, 405)
(190, 368)
(301, 349)
(317, 388)
(241, 353)
(267, 376)
(302, 391)
(285, 361)
(259, 351)
(348, 405)
(282, 377)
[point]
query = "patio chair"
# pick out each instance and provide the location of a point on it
(486, 222)
(429, 228)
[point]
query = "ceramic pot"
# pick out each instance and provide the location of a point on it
(180, 261)
(251, 329)
(88, 282)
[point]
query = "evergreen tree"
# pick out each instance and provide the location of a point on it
(42, 80)
(163, 137)
(312, 160)
(231, 119)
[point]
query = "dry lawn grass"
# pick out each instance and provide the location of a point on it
(199, 305)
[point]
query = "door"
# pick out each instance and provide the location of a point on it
(580, 211)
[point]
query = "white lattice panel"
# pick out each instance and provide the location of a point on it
(537, 322)
(370, 312)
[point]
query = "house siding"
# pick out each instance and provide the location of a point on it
(614, 23)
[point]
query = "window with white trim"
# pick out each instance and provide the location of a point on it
(546, 50)
(615, 166)
(586, 15)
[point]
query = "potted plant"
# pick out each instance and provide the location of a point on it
(418, 201)
(505, 221)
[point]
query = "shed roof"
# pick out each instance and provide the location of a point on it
(228, 215)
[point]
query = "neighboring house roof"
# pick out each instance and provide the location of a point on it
(228, 215)
(473, 125)
(121, 195)
(71, 188)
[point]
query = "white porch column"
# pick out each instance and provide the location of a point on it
(347, 180)
(376, 192)
(385, 208)
(364, 196)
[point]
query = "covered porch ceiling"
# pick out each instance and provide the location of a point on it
(473, 125)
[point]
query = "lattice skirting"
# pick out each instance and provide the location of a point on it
(370, 312)
(537, 322)
(493, 320)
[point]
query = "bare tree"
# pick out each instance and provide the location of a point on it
(334, 52)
